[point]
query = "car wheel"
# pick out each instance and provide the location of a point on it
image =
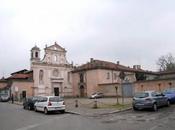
(62, 111)
(45, 111)
(35, 109)
(29, 107)
(155, 107)
(134, 108)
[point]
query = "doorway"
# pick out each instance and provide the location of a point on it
(56, 91)
(81, 91)
(23, 94)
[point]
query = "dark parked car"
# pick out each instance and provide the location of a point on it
(170, 94)
(29, 103)
(97, 95)
(149, 99)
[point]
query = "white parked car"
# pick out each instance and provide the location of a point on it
(96, 95)
(50, 103)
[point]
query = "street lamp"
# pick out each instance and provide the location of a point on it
(122, 77)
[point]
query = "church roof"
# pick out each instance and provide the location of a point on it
(52, 47)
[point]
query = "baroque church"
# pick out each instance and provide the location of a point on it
(52, 74)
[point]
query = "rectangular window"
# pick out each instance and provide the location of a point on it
(68, 77)
(115, 76)
(108, 75)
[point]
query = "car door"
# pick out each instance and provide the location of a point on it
(38, 104)
(157, 98)
(44, 103)
(164, 99)
(161, 99)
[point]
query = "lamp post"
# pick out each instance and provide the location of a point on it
(116, 87)
(122, 77)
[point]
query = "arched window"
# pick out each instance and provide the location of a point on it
(36, 54)
(55, 72)
(81, 78)
(41, 77)
(55, 58)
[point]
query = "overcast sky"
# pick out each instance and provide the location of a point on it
(129, 31)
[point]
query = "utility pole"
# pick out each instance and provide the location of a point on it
(122, 77)
(116, 87)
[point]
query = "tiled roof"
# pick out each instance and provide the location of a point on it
(3, 79)
(166, 72)
(98, 64)
(20, 76)
(20, 72)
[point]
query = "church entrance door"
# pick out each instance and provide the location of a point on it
(81, 91)
(56, 91)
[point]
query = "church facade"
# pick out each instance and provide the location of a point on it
(52, 74)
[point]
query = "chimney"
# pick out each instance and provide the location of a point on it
(91, 60)
(137, 67)
(118, 62)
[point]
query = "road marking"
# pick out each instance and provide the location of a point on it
(39, 124)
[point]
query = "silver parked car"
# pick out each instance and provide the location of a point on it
(149, 99)
(4, 98)
(96, 95)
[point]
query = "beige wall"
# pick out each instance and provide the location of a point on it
(97, 81)
(2, 84)
(18, 86)
(103, 76)
(110, 90)
(154, 85)
(75, 81)
(92, 77)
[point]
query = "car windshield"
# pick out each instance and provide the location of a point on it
(55, 99)
(169, 91)
(4, 95)
(29, 99)
(141, 95)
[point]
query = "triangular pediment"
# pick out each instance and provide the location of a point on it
(56, 47)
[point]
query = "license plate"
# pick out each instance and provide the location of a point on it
(57, 108)
(140, 104)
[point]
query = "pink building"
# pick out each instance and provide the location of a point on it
(103, 76)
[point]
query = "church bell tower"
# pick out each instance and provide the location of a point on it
(35, 54)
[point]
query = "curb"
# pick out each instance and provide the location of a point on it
(16, 103)
(101, 114)
(74, 113)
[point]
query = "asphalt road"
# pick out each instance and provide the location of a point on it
(163, 119)
(13, 117)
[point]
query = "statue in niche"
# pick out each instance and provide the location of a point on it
(41, 77)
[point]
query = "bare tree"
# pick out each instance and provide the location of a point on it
(166, 62)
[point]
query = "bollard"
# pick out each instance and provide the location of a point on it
(95, 104)
(76, 103)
